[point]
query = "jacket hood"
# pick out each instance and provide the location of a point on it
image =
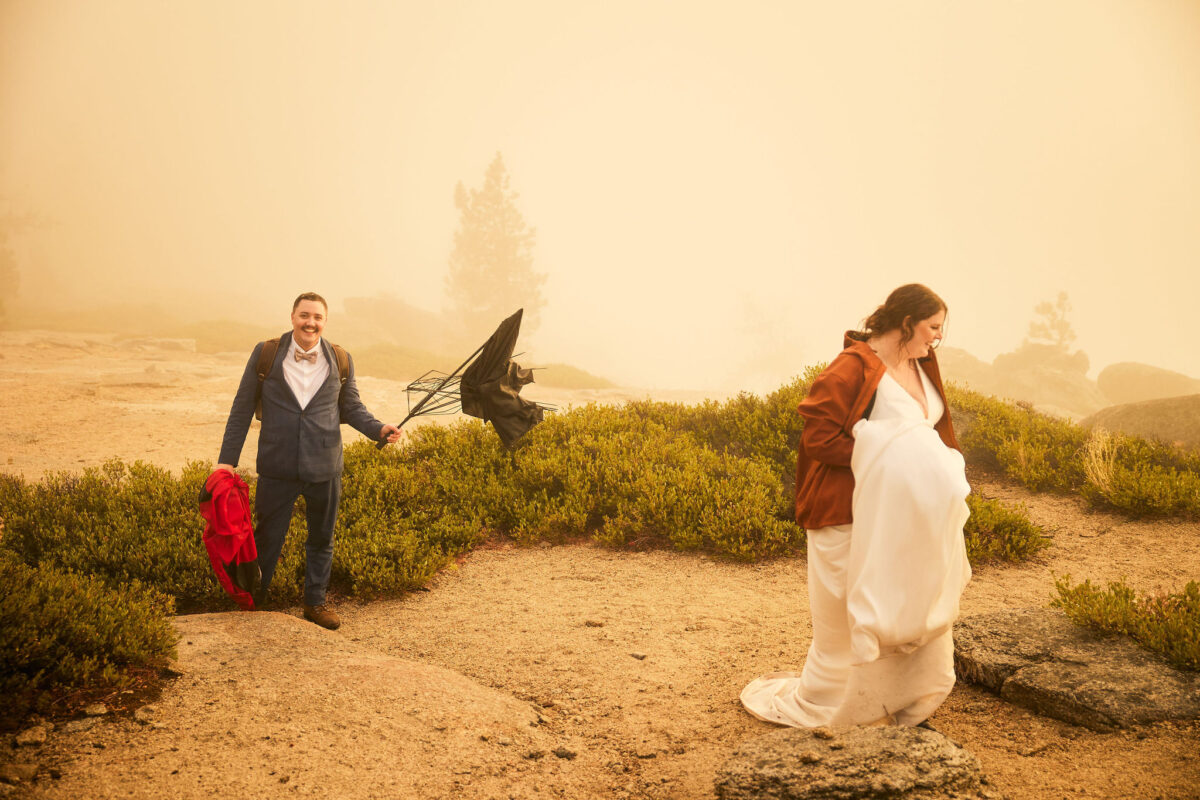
(855, 342)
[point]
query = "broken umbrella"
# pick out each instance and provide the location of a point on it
(487, 385)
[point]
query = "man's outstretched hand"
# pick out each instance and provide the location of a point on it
(229, 467)
(390, 434)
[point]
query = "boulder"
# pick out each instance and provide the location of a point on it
(1038, 659)
(849, 763)
(959, 366)
(1173, 420)
(322, 710)
(1050, 379)
(1131, 382)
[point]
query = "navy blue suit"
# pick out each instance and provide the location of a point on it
(299, 453)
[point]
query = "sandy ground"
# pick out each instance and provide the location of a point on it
(627, 665)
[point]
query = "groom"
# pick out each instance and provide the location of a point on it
(304, 392)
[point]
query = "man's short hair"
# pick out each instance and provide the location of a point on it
(316, 298)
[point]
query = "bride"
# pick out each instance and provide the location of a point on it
(881, 488)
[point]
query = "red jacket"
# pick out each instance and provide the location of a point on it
(229, 535)
(837, 400)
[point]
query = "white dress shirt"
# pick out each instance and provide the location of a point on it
(305, 377)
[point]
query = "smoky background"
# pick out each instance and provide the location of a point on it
(715, 191)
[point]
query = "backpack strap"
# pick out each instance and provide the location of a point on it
(343, 365)
(343, 362)
(266, 360)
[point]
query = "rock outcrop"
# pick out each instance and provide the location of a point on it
(1173, 420)
(849, 763)
(1051, 380)
(1038, 659)
(266, 699)
(1131, 382)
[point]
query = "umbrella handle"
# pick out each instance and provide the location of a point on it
(382, 443)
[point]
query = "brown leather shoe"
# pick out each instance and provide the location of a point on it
(323, 615)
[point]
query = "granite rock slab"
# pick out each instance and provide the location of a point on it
(1038, 659)
(852, 763)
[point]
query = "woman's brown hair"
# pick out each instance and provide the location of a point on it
(903, 308)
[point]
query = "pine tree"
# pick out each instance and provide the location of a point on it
(1051, 326)
(491, 271)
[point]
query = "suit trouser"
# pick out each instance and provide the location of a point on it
(273, 503)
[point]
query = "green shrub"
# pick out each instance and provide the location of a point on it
(1138, 477)
(404, 516)
(118, 523)
(1168, 624)
(626, 478)
(995, 531)
(619, 477)
(744, 426)
(1039, 451)
(64, 630)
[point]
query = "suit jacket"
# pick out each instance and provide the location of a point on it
(294, 443)
(837, 400)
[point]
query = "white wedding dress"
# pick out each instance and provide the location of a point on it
(884, 591)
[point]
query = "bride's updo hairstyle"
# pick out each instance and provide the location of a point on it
(904, 307)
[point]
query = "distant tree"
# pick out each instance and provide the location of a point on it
(1050, 325)
(491, 270)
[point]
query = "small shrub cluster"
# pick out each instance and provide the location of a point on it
(1039, 451)
(120, 523)
(60, 629)
(745, 426)
(1138, 477)
(996, 532)
(1167, 623)
(602, 472)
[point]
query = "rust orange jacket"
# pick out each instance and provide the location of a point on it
(837, 400)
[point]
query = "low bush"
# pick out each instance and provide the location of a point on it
(1167, 623)
(745, 426)
(618, 477)
(61, 630)
(1137, 477)
(626, 478)
(1039, 451)
(996, 532)
(120, 523)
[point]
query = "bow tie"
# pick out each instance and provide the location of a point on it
(309, 357)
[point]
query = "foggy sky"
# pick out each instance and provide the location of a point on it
(719, 189)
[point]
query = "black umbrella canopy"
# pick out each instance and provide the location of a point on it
(491, 387)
